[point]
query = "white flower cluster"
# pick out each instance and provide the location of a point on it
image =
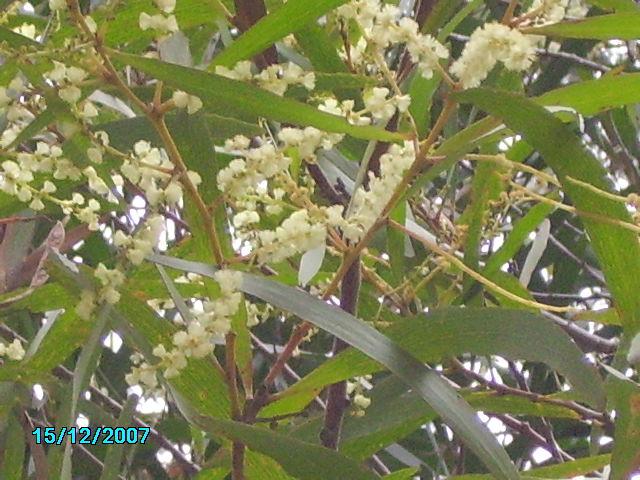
(489, 44)
(110, 281)
(254, 165)
(383, 26)
(553, 11)
(298, 233)
(184, 100)
(307, 141)
(357, 389)
(17, 176)
(197, 339)
(275, 78)
(57, 4)
(344, 108)
(27, 30)
(255, 315)
(149, 168)
(13, 351)
(161, 22)
(68, 79)
(139, 246)
(383, 108)
(16, 112)
(248, 181)
(368, 204)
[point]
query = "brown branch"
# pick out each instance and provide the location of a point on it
(588, 342)
(37, 450)
(327, 190)
(337, 394)
(501, 389)
(248, 12)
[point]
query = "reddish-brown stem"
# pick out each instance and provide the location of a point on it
(337, 394)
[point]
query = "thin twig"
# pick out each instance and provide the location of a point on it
(501, 389)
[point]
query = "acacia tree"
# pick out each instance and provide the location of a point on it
(319, 239)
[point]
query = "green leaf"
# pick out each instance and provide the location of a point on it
(486, 186)
(395, 243)
(422, 90)
(199, 383)
(317, 46)
(404, 474)
(395, 413)
(447, 332)
(15, 39)
(262, 467)
(618, 5)
(463, 13)
(292, 16)
(114, 454)
(303, 460)
(624, 397)
(617, 248)
(520, 232)
(623, 26)
(449, 405)
(334, 82)
(594, 96)
(565, 470)
(11, 466)
(608, 316)
(216, 473)
(124, 133)
(224, 95)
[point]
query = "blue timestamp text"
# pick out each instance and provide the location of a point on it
(91, 436)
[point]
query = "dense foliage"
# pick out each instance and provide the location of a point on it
(320, 239)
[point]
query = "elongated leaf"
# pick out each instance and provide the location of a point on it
(395, 413)
(404, 474)
(290, 17)
(124, 133)
(14, 448)
(616, 247)
(114, 454)
(309, 462)
(618, 5)
(15, 39)
(571, 469)
(396, 242)
(224, 95)
(449, 405)
(593, 96)
(625, 398)
(263, 467)
(446, 332)
(624, 26)
(316, 44)
(521, 230)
